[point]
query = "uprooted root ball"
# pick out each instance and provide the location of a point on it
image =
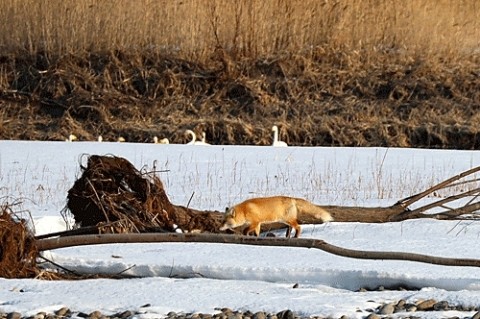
(113, 194)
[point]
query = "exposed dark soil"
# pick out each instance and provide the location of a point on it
(326, 98)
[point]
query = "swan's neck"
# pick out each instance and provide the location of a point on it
(194, 137)
(275, 135)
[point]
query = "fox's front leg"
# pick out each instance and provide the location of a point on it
(249, 229)
(253, 228)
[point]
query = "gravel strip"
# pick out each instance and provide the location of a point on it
(382, 311)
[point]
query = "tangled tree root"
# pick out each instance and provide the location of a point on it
(114, 195)
(18, 251)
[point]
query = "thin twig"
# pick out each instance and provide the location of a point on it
(191, 197)
(59, 266)
(443, 201)
(99, 200)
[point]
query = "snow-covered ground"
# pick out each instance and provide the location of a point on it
(188, 277)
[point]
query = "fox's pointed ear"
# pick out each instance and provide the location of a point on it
(232, 212)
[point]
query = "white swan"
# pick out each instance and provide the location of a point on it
(100, 138)
(276, 142)
(194, 138)
(71, 138)
(162, 141)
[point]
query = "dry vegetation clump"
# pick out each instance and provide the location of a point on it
(115, 197)
(361, 73)
(18, 252)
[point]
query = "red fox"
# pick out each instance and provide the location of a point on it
(257, 211)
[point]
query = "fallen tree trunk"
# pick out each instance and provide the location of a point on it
(113, 197)
(55, 243)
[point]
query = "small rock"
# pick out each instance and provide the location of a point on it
(387, 309)
(442, 305)
(399, 309)
(426, 305)
(226, 311)
(259, 315)
(63, 312)
(95, 314)
(401, 303)
(14, 315)
(410, 307)
(373, 316)
(285, 314)
(476, 316)
(125, 314)
(40, 315)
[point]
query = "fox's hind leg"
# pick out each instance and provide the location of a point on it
(291, 221)
(289, 231)
(294, 224)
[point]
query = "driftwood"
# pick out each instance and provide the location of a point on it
(54, 243)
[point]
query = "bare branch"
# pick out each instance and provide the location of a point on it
(54, 243)
(412, 199)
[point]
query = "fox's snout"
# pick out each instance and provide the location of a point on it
(224, 227)
(228, 223)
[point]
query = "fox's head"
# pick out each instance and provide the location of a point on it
(229, 221)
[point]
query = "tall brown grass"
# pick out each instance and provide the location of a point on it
(193, 28)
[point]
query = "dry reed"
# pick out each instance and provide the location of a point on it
(339, 73)
(248, 28)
